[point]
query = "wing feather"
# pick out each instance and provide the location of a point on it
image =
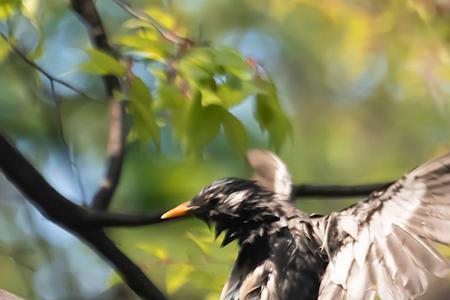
(385, 243)
(270, 172)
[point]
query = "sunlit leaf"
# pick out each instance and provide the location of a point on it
(145, 47)
(4, 49)
(157, 251)
(30, 9)
(203, 244)
(139, 24)
(8, 8)
(162, 17)
(233, 91)
(102, 64)
(228, 57)
(177, 275)
(169, 96)
(212, 296)
(198, 65)
(210, 97)
(114, 279)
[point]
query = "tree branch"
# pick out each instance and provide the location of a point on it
(336, 191)
(135, 278)
(116, 142)
(115, 152)
(70, 216)
(332, 192)
(98, 219)
(88, 224)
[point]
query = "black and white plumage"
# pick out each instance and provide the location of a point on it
(379, 247)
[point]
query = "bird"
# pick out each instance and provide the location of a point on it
(382, 247)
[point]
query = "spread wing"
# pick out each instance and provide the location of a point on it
(384, 245)
(270, 172)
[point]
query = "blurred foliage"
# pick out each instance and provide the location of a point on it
(346, 91)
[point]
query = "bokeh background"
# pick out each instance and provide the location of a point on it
(365, 85)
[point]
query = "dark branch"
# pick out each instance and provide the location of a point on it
(115, 151)
(103, 219)
(70, 216)
(116, 143)
(25, 177)
(336, 191)
(134, 278)
(100, 219)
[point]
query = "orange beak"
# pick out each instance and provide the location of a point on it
(179, 211)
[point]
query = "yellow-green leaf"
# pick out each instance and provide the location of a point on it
(114, 279)
(157, 251)
(102, 63)
(177, 275)
(146, 47)
(8, 8)
(203, 244)
(4, 49)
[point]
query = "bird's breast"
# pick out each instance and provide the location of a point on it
(283, 265)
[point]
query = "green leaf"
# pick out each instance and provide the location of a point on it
(202, 243)
(198, 66)
(4, 49)
(235, 133)
(114, 279)
(210, 97)
(30, 10)
(202, 125)
(8, 8)
(175, 105)
(234, 91)
(228, 57)
(139, 24)
(140, 107)
(212, 296)
(148, 48)
(159, 252)
(169, 96)
(270, 116)
(177, 275)
(102, 64)
(164, 18)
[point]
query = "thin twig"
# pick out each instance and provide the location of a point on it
(115, 154)
(70, 155)
(116, 141)
(164, 32)
(42, 70)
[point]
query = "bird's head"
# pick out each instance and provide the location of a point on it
(241, 208)
(236, 206)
